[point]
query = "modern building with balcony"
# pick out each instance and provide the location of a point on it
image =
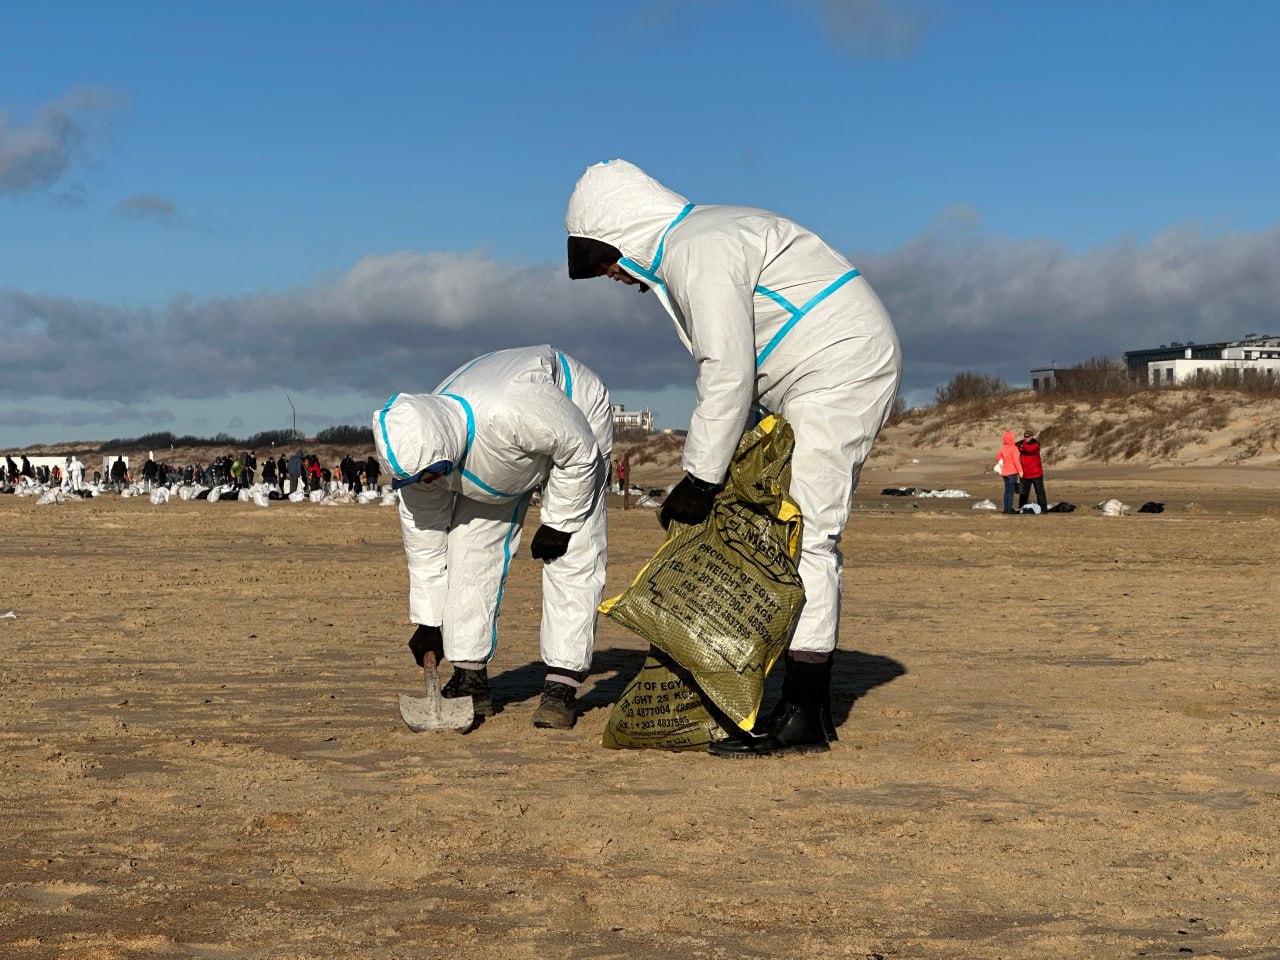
(1176, 362)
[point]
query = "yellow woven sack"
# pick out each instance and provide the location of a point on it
(661, 708)
(721, 598)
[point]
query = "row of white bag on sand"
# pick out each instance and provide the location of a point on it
(258, 494)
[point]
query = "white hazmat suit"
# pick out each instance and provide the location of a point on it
(508, 423)
(772, 315)
(72, 474)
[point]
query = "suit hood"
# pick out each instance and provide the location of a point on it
(617, 203)
(413, 431)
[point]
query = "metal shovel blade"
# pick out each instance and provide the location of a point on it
(432, 711)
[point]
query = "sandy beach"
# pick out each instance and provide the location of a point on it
(1057, 740)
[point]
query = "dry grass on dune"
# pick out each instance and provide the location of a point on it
(1148, 426)
(1207, 427)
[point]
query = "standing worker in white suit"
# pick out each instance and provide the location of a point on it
(466, 459)
(774, 316)
(73, 474)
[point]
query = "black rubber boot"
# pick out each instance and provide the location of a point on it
(800, 723)
(471, 683)
(792, 682)
(828, 722)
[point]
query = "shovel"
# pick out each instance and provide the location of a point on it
(434, 712)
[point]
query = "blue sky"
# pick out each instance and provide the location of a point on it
(207, 207)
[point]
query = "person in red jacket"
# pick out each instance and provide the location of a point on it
(1032, 470)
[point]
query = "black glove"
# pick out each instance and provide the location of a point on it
(427, 640)
(549, 544)
(689, 502)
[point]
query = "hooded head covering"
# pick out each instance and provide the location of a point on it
(1008, 437)
(419, 433)
(618, 204)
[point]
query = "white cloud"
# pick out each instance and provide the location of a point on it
(393, 322)
(999, 306)
(39, 153)
(401, 321)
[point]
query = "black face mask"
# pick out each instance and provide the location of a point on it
(586, 255)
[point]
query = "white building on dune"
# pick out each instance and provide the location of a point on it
(624, 419)
(1175, 363)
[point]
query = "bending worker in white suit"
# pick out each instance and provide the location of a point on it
(774, 316)
(466, 460)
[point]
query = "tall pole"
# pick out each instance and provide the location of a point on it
(295, 416)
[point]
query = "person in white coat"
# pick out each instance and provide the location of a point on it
(773, 316)
(466, 460)
(72, 473)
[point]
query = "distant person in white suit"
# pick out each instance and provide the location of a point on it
(73, 474)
